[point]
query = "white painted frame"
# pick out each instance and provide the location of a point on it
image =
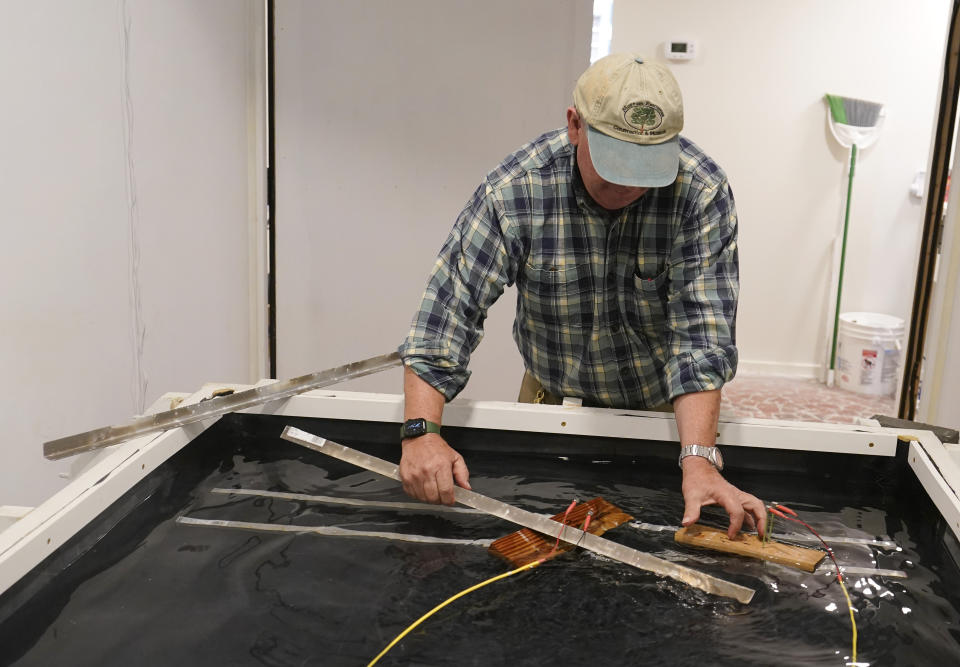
(257, 206)
(116, 469)
(937, 466)
(599, 422)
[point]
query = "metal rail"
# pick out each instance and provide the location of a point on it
(188, 414)
(537, 522)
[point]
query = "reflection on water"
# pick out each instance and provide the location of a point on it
(213, 595)
(589, 608)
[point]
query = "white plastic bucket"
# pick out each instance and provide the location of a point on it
(868, 353)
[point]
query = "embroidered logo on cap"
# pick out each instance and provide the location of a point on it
(644, 117)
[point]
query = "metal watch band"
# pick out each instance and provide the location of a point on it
(712, 454)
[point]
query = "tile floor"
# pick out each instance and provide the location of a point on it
(798, 399)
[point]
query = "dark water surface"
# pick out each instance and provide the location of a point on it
(138, 588)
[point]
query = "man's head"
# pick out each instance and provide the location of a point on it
(626, 118)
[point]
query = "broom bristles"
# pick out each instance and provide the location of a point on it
(855, 112)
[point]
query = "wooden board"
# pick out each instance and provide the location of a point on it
(526, 546)
(707, 537)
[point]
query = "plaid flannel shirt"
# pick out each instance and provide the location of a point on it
(626, 309)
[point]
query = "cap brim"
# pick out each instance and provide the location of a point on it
(639, 165)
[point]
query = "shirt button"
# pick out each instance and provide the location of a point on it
(615, 327)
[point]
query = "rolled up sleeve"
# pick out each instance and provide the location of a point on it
(702, 298)
(470, 273)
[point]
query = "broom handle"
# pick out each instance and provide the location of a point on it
(843, 256)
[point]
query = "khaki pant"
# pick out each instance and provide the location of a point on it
(531, 391)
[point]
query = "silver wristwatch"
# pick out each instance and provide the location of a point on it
(712, 454)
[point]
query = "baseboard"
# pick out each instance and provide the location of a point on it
(779, 369)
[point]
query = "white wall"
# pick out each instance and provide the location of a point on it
(67, 309)
(753, 99)
(388, 117)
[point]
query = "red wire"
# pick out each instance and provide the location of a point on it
(795, 518)
(787, 510)
(843, 587)
(563, 524)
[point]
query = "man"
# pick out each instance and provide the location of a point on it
(622, 239)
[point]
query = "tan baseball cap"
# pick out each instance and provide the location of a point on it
(634, 113)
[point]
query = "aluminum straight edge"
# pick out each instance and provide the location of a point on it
(540, 523)
(189, 414)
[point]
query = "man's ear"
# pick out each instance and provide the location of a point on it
(574, 125)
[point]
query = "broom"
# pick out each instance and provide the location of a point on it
(854, 124)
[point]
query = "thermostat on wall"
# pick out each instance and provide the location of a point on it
(680, 49)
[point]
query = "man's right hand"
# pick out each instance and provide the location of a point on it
(429, 467)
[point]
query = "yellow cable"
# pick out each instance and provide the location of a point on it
(440, 606)
(853, 622)
(530, 566)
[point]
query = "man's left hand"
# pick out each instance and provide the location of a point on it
(704, 485)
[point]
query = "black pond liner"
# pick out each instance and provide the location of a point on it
(135, 587)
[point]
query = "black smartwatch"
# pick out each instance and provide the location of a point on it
(414, 428)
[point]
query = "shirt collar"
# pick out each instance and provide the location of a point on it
(585, 201)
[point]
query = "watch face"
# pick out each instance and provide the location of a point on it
(414, 428)
(717, 457)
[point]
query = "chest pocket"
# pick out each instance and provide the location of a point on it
(650, 302)
(558, 297)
